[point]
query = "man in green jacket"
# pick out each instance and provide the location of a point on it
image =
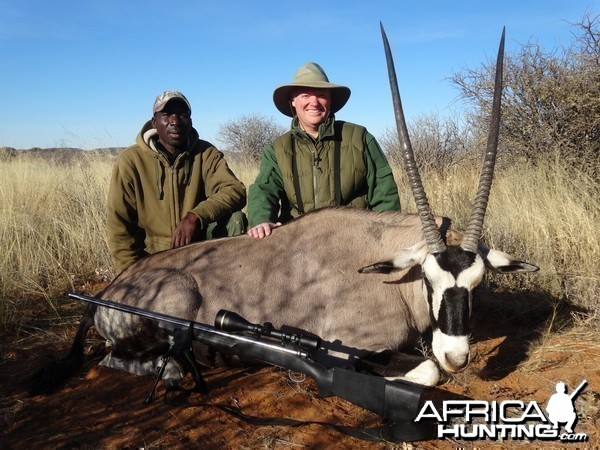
(320, 161)
(170, 188)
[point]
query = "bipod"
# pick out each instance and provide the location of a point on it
(181, 350)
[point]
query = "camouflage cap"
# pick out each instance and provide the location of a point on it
(166, 97)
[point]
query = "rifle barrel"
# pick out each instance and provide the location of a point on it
(199, 328)
(578, 389)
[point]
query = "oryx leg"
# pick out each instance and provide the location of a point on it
(400, 366)
(138, 344)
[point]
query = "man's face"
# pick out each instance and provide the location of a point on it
(173, 125)
(312, 107)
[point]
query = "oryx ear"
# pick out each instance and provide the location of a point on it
(500, 262)
(379, 267)
(404, 259)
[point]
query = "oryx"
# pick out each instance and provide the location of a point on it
(363, 281)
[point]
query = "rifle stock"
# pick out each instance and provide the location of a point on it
(397, 401)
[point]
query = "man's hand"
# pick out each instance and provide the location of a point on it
(185, 230)
(262, 229)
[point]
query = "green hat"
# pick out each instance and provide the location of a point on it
(313, 76)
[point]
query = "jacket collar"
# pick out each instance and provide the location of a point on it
(149, 137)
(326, 129)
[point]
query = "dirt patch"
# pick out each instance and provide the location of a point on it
(102, 408)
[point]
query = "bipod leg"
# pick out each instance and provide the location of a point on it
(184, 354)
(159, 373)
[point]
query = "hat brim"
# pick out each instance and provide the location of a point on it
(282, 95)
(162, 105)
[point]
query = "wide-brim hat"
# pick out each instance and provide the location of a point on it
(313, 76)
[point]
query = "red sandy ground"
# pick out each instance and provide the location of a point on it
(103, 408)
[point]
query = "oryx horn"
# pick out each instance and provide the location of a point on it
(475, 227)
(435, 244)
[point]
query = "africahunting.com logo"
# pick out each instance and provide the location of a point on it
(510, 419)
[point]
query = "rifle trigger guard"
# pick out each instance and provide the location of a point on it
(295, 378)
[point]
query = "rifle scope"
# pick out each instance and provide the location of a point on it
(232, 322)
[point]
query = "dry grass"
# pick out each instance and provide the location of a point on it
(553, 349)
(51, 226)
(246, 172)
(53, 232)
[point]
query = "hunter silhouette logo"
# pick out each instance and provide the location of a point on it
(560, 407)
(508, 419)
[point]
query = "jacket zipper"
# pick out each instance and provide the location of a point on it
(314, 174)
(175, 195)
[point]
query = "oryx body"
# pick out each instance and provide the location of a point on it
(305, 275)
(308, 275)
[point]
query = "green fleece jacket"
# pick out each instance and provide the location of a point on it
(365, 174)
(148, 196)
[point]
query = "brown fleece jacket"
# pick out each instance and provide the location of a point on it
(148, 196)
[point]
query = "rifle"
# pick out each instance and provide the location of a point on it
(396, 401)
(578, 390)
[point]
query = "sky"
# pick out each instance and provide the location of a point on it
(84, 74)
